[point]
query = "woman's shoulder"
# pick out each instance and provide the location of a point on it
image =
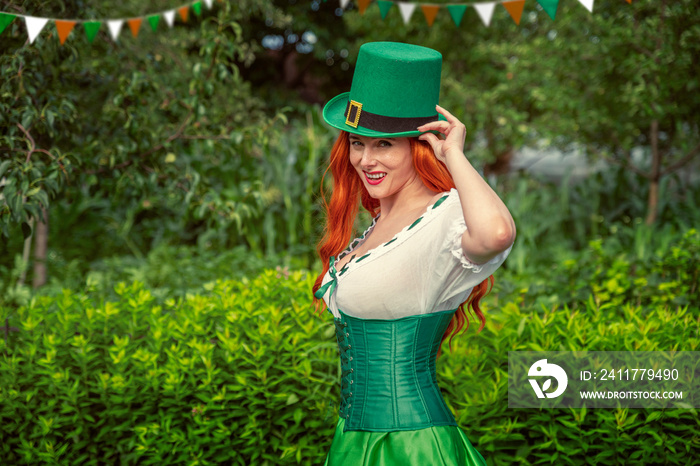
(443, 211)
(447, 205)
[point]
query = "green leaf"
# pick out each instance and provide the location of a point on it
(4, 166)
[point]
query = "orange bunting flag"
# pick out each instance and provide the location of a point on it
(64, 28)
(362, 4)
(629, 1)
(515, 9)
(134, 25)
(430, 11)
(183, 13)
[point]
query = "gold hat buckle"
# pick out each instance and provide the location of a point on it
(356, 109)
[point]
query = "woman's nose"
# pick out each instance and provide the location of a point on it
(368, 159)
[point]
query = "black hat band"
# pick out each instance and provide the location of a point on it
(355, 116)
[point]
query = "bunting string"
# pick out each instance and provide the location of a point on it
(484, 10)
(64, 26)
(456, 10)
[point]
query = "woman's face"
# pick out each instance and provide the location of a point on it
(385, 165)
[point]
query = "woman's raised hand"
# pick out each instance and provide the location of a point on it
(454, 133)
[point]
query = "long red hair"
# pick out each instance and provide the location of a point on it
(343, 208)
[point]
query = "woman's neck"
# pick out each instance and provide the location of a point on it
(413, 196)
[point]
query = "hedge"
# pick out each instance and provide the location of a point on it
(243, 372)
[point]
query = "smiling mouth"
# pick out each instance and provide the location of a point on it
(375, 176)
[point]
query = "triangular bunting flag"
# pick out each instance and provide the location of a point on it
(406, 10)
(5, 21)
(183, 12)
(344, 3)
(588, 4)
(384, 7)
(485, 11)
(169, 17)
(208, 4)
(362, 5)
(550, 6)
(114, 27)
(197, 7)
(457, 13)
(153, 21)
(629, 1)
(64, 28)
(91, 28)
(34, 26)
(134, 25)
(515, 9)
(430, 11)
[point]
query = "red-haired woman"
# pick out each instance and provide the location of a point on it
(438, 233)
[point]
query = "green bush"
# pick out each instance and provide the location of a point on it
(167, 271)
(240, 374)
(244, 373)
(639, 265)
(475, 378)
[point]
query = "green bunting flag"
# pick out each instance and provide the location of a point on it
(197, 7)
(153, 21)
(91, 28)
(384, 7)
(550, 6)
(5, 20)
(457, 12)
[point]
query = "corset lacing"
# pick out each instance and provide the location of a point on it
(347, 371)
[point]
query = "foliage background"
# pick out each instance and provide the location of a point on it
(171, 182)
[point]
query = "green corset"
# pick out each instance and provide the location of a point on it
(388, 379)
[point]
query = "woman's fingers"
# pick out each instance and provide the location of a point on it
(450, 117)
(444, 126)
(441, 126)
(452, 120)
(430, 138)
(452, 133)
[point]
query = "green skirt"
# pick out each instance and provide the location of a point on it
(435, 446)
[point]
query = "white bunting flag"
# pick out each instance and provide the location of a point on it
(169, 17)
(34, 26)
(208, 4)
(406, 10)
(344, 3)
(485, 11)
(588, 4)
(114, 27)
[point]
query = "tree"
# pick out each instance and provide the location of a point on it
(624, 77)
(620, 78)
(143, 135)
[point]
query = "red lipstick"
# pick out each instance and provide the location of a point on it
(374, 181)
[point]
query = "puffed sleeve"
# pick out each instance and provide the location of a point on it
(456, 273)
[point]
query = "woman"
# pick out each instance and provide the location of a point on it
(438, 233)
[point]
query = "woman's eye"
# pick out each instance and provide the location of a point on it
(355, 143)
(384, 144)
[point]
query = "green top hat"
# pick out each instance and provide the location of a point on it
(394, 90)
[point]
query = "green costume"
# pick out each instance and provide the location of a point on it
(392, 305)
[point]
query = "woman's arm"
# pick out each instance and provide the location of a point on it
(490, 227)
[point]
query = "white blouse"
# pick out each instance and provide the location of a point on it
(421, 270)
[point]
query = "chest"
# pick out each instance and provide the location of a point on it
(380, 234)
(384, 231)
